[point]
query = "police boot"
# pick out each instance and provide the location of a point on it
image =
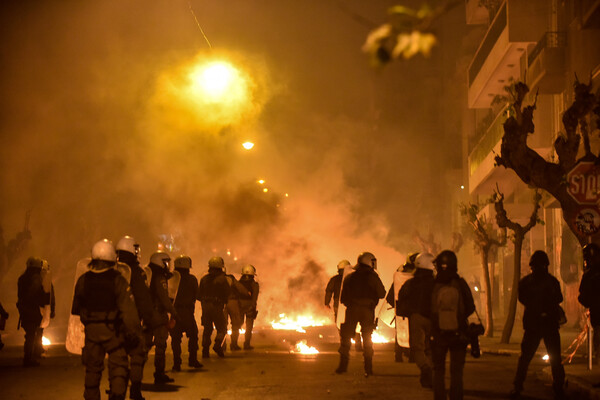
(247, 346)
(135, 391)
(161, 377)
(193, 362)
(426, 378)
(205, 352)
(343, 366)
(368, 367)
(219, 350)
(234, 346)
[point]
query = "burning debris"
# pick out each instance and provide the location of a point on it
(298, 324)
(303, 348)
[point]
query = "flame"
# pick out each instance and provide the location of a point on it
(46, 341)
(303, 348)
(298, 324)
(376, 337)
(242, 331)
(546, 357)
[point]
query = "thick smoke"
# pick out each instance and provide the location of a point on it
(96, 145)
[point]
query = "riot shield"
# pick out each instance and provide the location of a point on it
(401, 322)
(173, 285)
(46, 310)
(341, 315)
(75, 330)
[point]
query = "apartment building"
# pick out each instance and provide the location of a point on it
(546, 44)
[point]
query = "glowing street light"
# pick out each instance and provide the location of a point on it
(248, 145)
(261, 181)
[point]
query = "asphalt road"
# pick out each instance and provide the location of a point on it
(269, 372)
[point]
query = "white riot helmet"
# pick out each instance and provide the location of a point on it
(183, 261)
(161, 259)
(425, 261)
(343, 264)
(248, 270)
(367, 259)
(216, 262)
(104, 250)
(128, 244)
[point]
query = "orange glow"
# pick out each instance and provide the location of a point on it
(296, 324)
(303, 348)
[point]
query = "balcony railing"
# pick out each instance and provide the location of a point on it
(487, 142)
(548, 41)
(491, 37)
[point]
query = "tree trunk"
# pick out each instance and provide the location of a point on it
(514, 294)
(489, 318)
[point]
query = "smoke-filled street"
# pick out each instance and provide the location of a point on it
(272, 372)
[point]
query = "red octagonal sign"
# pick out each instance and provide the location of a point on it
(584, 182)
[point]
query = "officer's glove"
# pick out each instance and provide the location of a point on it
(132, 341)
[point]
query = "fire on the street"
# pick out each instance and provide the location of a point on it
(303, 348)
(296, 324)
(376, 337)
(46, 341)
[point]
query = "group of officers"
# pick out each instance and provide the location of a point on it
(127, 308)
(438, 303)
(124, 318)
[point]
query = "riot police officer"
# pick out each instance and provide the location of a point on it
(589, 295)
(233, 310)
(361, 291)
(185, 305)
(248, 305)
(31, 296)
(106, 307)
(159, 264)
(128, 253)
(213, 293)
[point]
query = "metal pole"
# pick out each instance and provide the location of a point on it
(590, 343)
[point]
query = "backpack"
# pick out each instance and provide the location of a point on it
(448, 305)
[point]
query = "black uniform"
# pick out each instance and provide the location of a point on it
(31, 296)
(450, 341)
(162, 308)
(589, 297)
(106, 307)
(333, 290)
(143, 303)
(3, 318)
(185, 305)
(540, 294)
(248, 308)
(213, 293)
(414, 302)
(361, 292)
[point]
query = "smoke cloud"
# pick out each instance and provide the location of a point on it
(97, 141)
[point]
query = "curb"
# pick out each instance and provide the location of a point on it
(576, 387)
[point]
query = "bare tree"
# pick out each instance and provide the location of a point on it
(518, 235)
(10, 251)
(430, 245)
(579, 121)
(484, 238)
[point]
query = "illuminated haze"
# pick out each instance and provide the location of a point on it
(94, 146)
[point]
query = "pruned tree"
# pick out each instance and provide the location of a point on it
(11, 250)
(572, 147)
(484, 238)
(518, 235)
(430, 245)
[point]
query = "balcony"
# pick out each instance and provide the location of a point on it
(476, 13)
(546, 64)
(481, 158)
(517, 25)
(590, 18)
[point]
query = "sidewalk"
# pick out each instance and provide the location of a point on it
(582, 383)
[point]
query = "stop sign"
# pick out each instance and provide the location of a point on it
(584, 182)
